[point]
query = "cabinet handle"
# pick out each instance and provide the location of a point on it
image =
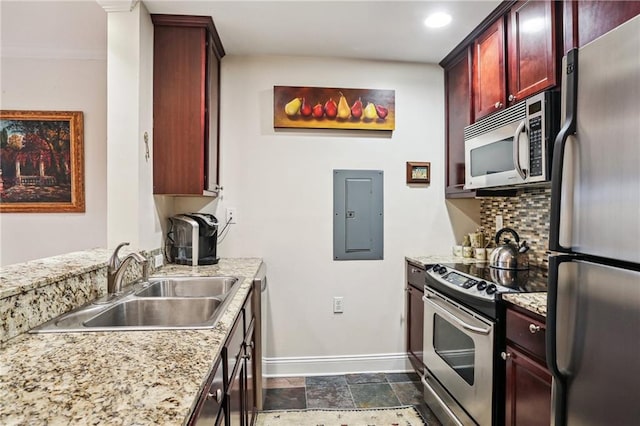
(414, 270)
(505, 355)
(534, 328)
(217, 395)
(498, 105)
(512, 98)
(251, 345)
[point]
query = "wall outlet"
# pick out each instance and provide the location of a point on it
(231, 215)
(338, 305)
(499, 223)
(158, 260)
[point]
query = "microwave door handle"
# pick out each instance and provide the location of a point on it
(516, 150)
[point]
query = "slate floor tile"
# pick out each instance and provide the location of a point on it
(402, 377)
(357, 379)
(408, 393)
(329, 396)
(325, 380)
(285, 398)
(374, 395)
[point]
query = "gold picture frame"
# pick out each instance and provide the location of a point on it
(41, 161)
(418, 172)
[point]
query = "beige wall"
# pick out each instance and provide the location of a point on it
(281, 184)
(38, 74)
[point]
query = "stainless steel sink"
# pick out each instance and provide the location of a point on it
(188, 287)
(163, 303)
(157, 312)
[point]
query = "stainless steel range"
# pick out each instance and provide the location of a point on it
(464, 334)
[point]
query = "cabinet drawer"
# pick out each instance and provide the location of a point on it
(415, 276)
(527, 333)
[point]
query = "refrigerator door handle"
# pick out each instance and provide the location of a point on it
(570, 92)
(560, 377)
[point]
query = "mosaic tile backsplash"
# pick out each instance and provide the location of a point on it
(528, 214)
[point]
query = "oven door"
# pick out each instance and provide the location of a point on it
(458, 352)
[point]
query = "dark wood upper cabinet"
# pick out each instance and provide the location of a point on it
(186, 64)
(489, 88)
(515, 60)
(532, 53)
(584, 21)
(459, 113)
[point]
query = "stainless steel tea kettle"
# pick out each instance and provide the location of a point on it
(508, 255)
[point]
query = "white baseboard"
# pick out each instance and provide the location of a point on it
(328, 365)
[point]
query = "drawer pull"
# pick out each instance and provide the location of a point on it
(217, 396)
(415, 271)
(505, 355)
(534, 328)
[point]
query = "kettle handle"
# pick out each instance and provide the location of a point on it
(502, 231)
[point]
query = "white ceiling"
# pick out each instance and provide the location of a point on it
(382, 30)
(379, 30)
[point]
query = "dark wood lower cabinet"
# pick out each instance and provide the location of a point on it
(528, 394)
(414, 311)
(528, 381)
(229, 398)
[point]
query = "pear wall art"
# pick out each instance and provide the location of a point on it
(333, 108)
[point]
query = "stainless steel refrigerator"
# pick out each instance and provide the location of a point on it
(593, 312)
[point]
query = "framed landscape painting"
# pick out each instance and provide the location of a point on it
(333, 108)
(41, 161)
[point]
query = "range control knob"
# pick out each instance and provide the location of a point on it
(442, 270)
(482, 285)
(491, 288)
(435, 267)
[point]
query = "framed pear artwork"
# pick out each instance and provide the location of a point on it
(333, 108)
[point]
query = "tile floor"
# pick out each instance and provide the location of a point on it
(368, 390)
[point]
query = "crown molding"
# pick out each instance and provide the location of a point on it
(118, 5)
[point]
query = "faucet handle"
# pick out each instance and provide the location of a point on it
(114, 260)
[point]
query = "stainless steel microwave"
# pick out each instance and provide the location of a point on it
(514, 146)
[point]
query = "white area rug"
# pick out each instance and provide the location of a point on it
(403, 416)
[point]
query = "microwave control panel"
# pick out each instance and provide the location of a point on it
(535, 146)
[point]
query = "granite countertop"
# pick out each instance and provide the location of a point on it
(131, 378)
(533, 302)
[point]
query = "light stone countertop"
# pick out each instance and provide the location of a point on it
(533, 302)
(38, 273)
(131, 378)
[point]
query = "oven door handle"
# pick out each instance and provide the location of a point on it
(469, 327)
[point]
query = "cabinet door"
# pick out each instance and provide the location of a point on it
(528, 393)
(415, 327)
(250, 376)
(235, 413)
(459, 113)
(531, 49)
(595, 18)
(178, 110)
(212, 136)
(489, 84)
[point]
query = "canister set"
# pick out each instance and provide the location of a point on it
(474, 245)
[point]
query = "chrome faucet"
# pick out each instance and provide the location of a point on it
(117, 267)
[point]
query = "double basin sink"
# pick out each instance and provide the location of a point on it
(162, 303)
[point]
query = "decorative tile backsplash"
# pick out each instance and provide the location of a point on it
(528, 214)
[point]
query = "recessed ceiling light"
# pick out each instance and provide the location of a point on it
(437, 20)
